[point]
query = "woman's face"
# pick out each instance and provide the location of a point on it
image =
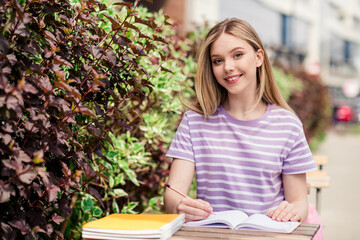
(234, 62)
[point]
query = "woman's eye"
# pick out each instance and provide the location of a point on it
(216, 61)
(237, 55)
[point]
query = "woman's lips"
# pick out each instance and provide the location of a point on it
(233, 79)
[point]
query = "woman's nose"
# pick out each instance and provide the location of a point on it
(229, 65)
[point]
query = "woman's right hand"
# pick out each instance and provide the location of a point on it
(181, 177)
(194, 209)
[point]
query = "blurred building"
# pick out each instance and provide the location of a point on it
(323, 35)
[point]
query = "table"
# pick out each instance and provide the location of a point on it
(304, 231)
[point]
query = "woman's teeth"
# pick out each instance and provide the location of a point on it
(232, 78)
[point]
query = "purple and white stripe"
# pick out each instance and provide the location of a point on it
(239, 163)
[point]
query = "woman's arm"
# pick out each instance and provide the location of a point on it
(181, 176)
(295, 206)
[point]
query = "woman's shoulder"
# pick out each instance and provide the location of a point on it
(281, 114)
(197, 116)
(192, 115)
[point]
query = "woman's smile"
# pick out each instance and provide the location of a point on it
(233, 79)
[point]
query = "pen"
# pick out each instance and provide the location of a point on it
(168, 185)
(185, 196)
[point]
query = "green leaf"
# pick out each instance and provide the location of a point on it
(119, 179)
(129, 208)
(115, 207)
(132, 176)
(87, 204)
(91, 219)
(119, 192)
(111, 181)
(86, 217)
(97, 212)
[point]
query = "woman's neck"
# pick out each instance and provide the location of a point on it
(244, 109)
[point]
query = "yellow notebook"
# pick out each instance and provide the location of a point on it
(133, 226)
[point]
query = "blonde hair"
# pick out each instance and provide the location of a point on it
(209, 93)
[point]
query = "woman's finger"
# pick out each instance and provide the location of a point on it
(279, 210)
(194, 209)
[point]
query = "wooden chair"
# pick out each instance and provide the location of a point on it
(318, 179)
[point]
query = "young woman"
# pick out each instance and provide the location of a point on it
(245, 143)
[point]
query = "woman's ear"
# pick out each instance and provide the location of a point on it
(259, 57)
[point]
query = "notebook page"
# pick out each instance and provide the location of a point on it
(230, 218)
(263, 222)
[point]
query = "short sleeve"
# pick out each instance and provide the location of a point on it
(299, 158)
(181, 147)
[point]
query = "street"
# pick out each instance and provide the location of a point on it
(340, 203)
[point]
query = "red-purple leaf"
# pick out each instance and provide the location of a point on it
(50, 35)
(114, 22)
(21, 30)
(166, 70)
(129, 25)
(86, 111)
(21, 225)
(149, 46)
(123, 37)
(160, 39)
(96, 51)
(12, 103)
(103, 175)
(67, 20)
(149, 23)
(57, 219)
(86, 18)
(6, 138)
(45, 84)
(95, 193)
(88, 170)
(4, 45)
(28, 175)
(111, 56)
(52, 192)
(74, 92)
(64, 207)
(7, 128)
(22, 156)
(124, 4)
(66, 170)
(12, 59)
(27, 87)
(61, 61)
(6, 190)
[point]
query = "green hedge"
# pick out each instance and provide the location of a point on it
(89, 103)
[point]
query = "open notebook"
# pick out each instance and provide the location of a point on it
(133, 226)
(236, 219)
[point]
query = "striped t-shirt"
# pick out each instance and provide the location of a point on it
(239, 163)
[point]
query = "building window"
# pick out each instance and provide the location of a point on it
(286, 30)
(347, 51)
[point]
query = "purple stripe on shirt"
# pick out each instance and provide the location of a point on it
(235, 157)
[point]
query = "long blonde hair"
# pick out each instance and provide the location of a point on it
(209, 93)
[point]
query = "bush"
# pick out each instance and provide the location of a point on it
(312, 104)
(309, 98)
(71, 73)
(137, 165)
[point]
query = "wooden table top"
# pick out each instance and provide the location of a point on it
(304, 231)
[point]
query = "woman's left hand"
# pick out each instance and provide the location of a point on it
(285, 212)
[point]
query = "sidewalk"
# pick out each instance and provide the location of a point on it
(340, 204)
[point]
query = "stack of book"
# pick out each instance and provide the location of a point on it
(133, 226)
